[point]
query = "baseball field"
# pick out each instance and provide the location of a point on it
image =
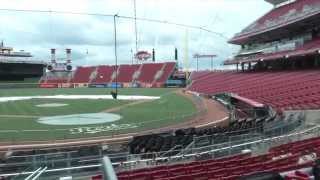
(58, 114)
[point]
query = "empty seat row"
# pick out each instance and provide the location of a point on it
(283, 90)
(151, 73)
(236, 166)
(183, 137)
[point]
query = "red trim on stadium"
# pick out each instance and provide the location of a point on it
(248, 101)
(309, 48)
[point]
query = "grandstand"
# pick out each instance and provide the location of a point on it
(279, 60)
(135, 75)
(279, 68)
(279, 63)
(282, 90)
(266, 135)
(283, 38)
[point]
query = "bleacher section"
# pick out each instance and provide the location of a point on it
(195, 76)
(283, 90)
(83, 75)
(146, 75)
(288, 159)
(103, 74)
(148, 72)
(167, 71)
(126, 73)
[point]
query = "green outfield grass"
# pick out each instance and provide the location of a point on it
(18, 119)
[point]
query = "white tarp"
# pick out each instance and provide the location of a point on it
(119, 97)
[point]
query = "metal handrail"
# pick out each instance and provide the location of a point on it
(313, 131)
(171, 150)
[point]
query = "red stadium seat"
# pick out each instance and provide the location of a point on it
(281, 90)
(149, 73)
(280, 159)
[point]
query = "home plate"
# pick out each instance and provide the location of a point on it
(52, 105)
(120, 97)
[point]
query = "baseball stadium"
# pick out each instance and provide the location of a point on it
(257, 118)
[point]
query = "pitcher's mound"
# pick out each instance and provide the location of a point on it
(80, 119)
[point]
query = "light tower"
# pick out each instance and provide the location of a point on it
(198, 56)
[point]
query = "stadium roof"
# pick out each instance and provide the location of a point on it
(276, 2)
(278, 18)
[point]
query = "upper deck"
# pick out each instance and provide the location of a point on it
(288, 15)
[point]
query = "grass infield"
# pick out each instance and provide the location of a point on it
(18, 119)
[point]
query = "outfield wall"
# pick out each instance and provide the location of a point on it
(81, 85)
(103, 85)
(18, 85)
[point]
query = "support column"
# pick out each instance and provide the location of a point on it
(317, 61)
(242, 66)
(293, 64)
(303, 64)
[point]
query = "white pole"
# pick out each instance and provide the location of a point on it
(32, 174)
(42, 171)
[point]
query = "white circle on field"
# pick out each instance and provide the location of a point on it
(80, 119)
(52, 105)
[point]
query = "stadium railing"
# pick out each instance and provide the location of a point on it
(213, 151)
(227, 149)
(125, 161)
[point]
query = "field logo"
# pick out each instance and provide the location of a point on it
(99, 129)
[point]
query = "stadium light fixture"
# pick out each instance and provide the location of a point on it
(197, 58)
(211, 56)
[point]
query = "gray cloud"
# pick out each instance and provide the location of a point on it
(38, 32)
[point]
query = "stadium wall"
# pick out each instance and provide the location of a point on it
(20, 71)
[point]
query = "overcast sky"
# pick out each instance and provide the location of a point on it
(91, 37)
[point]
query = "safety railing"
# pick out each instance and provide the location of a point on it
(212, 151)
